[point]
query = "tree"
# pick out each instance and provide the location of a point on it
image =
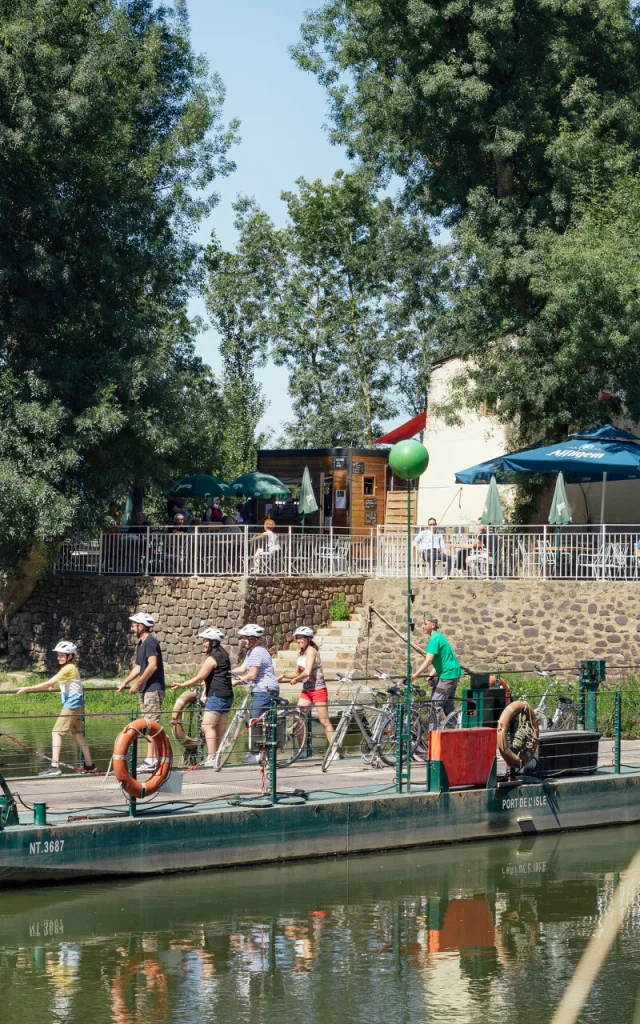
(237, 291)
(328, 316)
(499, 115)
(110, 137)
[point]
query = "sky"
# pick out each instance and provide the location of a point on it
(282, 111)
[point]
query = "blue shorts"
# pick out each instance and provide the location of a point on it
(218, 705)
(261, 702)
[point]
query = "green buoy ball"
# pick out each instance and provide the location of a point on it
(408, 459)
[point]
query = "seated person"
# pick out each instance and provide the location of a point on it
(478, 544)
(431, 546)
(269, 547)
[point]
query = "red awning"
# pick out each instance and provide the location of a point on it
(405, 431)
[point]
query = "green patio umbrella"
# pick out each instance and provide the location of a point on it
(492, 514)
(199, 485)
(560, 514)
(307, 503)
(259, 485)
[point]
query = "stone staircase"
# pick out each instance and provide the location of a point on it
(337, 643)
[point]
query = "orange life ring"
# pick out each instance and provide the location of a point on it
(152, 731)
(189, 743)
(517, 759)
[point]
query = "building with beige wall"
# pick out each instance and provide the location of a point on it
(452, 448)
(480, 438)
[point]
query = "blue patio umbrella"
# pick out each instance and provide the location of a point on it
(601, 454)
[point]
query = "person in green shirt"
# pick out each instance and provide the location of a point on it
(440, 663)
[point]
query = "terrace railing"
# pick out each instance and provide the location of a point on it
(607, 552)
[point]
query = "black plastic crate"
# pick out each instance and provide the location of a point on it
(567, 752)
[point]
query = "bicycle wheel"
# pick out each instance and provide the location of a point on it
(228, 741)
(388, 742)
(567, 719)
(453, 720)
(428, 721)
(336, 742)
(294, 741)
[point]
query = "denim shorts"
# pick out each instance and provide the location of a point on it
(218, 705)
(261, 702)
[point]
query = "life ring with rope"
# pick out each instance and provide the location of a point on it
(142, 728)
(518, 734)
(190, 743)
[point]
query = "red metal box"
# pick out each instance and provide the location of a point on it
(467, 754)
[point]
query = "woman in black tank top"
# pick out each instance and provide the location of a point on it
(215, 673)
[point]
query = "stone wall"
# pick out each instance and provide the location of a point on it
(94, 610)
(509, 625)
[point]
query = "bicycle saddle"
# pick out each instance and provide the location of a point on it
(418, 690)
(281, 701)
(565, 700)
(395, 691)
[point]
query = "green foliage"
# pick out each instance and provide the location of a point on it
(339, 610)
(517, 124)
(343, 297)
(110, 137)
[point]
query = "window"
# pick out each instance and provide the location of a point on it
(369, 485)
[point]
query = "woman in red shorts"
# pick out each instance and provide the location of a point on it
(309, 673)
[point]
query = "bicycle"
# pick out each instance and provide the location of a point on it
(291, 731)
(378, 726)
(567, 712)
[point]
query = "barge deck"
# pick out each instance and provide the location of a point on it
(90, 834)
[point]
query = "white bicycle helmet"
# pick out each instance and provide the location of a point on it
(212, 634)
(304, 631)
(143, 619)
(65, 647)
(251, 629)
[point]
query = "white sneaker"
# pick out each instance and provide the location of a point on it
(210, 762)
(334, 757)
(251, 759)
(146, 766)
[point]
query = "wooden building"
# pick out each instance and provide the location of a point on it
(352, 482)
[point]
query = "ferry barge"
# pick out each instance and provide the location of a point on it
(100, 839)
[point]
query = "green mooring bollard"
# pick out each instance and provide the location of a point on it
(39, 814)
(617, 732)
(592, 673)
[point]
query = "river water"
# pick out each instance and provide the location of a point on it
(473, 934)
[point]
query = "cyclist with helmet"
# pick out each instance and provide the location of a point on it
(215, 673)
(257, 668)
(309, 672)
(146, 678)
(70, 718)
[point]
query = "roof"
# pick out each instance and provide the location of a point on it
(276, 453)
(405, 430)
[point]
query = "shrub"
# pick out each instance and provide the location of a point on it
(339, 609)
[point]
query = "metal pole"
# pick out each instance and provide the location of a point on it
(289, 558)
(617, 732)
(133, 763)
(604, 491)
(273, 743)
(147, 550)
(246, 550)
(101, 555)
(399, 720)
(408, 688)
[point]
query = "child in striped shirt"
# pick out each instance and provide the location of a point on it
(70, 718)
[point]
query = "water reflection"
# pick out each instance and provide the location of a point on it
(472, 933)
